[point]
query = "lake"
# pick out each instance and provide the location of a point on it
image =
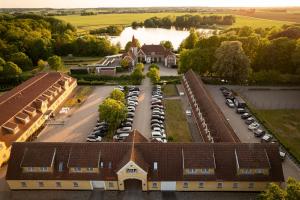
(155, 35)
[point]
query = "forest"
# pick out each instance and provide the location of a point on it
(185, 21)
(245, 55)
(26, 39)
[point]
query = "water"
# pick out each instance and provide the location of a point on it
(155, 35)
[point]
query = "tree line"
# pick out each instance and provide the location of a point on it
(261, 55)
(111, 30)
(27, 38)
(185, 21)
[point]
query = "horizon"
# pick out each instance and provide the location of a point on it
(70, 4)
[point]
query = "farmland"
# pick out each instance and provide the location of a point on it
(84, 23)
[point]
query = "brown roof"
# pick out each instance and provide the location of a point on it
(217, 124)
(22, 98)
(84, 156)
(200, 157)
(38, 156)
(157, 49)
(168, 158)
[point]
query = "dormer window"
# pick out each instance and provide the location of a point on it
(60, 166)
(101, 164)
(192, 171)
(109, 165)
(204, 171)
(77, 169)
(44, 169)
(155, 166)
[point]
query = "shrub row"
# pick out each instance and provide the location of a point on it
(170, 79)
(93, 79)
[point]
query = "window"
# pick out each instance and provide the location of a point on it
(154, 185)
(77, 169)
(192, 171)
(204, 171)
(111, 184)
(259, 171)
(131, 171)
(201, 185)
(44, 169)
(185, 185)
(101, 164)
(23, 184)
(41, 184)
(58, 184)
(155, 165)
(30, 169)
(75, 184)
(235, 185)
(246, 171)
(220, 185)
(109, 165)
(90, 169)
(251, 185)
(60, 166)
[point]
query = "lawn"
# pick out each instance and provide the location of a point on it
(169, 90)
(80, 95)
(285, 124)
(85, 23)
(176, 123)
(75, 61)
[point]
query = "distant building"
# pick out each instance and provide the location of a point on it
(149, 54)
(149, 166)
(24, 109)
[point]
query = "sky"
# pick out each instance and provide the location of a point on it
(144, 3)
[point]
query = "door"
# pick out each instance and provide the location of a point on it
(168, 186)
(133, 184)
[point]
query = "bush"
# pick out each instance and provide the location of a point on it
(170, 79)
(153, 66)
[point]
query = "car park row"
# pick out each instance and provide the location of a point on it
(158, 115)
(233, 101)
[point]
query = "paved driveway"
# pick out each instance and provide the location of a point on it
(77, 126)
(290, 169)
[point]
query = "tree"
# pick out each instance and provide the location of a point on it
(245, 31)
(22, 60)
(118, 95)
(137, 75)
(55, 63)
(42, 64)
(113, 112)
(11, 69)
(167, 44)
(128, 45)
(153, 66)
(153, 74)
(140, 66)
(296, 57)
(191, 41)
(232, 62)
(124, 63)
(273, 192)
(2, 63)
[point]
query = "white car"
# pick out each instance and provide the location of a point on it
(188, 112)
(156, 134)
(161, 140)
(156, 129)
(266, 138)
(132, 103)
(253, 126)
(121, 136)
(93, 139)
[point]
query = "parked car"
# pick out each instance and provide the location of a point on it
(130, 114)
(224, 88)
(229, 103)
(153, 121)
(158, 117)
(230, 97)
(259, 132)
(253, 126)
(239, 102)
(93, 139)
(246, 115)
(161, 140)
(157, 106)
(241, 111)
(121, 136)
(128, 119)
(123, 124)
(157, 125)
(282, 154)
(266, 138)
(249, 120)
(156, 103)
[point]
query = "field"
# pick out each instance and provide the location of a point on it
(170, 90)
(176, 123)
(285, 124)
(75, 61)
(80, 95)
(84, 23)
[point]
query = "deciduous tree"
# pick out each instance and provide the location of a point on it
(153, 74)
(118, 95)
(11, 69)
(55, 63)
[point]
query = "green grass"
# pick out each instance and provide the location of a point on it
(176, 123)
(285, 125)
(85, 23)
(81, 93)
(169, 90)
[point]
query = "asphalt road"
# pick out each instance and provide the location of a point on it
(290, 169)
(80, 122)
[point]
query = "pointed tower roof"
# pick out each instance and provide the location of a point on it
(133, 42)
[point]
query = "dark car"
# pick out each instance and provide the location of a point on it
(250, 120)
(241, 111)
(231, 97)
(99, 133)
(156, 103)
(246, 115)
(224, 88)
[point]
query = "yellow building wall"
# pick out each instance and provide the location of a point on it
(111, 185)
(5, 152)
(150, 185)
(227, 186)
(49, 184)
(139, 175)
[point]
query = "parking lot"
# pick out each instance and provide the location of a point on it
(76, 125)
(245, 135)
